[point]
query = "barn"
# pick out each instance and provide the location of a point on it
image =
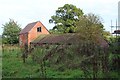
(36, 34)
(31, 32)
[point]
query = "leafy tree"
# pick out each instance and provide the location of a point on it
(10, 32)
(115, 53)
(66, 18)
(90, 26)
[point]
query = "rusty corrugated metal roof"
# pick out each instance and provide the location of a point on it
(28, 27)
(71, 38)
(56, 39)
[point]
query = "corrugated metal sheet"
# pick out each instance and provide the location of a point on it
(72, 38)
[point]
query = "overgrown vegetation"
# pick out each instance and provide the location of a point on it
(71, 57)
(90, 58)
(62, 61)
(11, 31)
(115, 53)
(13, 67)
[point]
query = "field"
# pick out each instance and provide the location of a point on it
(13, 67)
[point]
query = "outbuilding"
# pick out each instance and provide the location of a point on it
(31, 32)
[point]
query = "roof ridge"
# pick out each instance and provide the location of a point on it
(28, 27)
(44, 26)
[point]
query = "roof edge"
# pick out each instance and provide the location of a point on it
(44, 26)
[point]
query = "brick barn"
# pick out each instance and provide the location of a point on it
(31, 32)
(35, 34)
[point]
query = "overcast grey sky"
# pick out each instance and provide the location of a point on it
(27, 11)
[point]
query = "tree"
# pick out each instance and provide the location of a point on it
(90, 25)
(11, 32)
(91, 28)
(66, 18)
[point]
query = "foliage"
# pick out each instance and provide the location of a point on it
(62, 57)
(115, 53)
(106, 34)
(73, 65)
(13, 66)
(11, 32)
(25, 52)
(65, 18)
(90, 25)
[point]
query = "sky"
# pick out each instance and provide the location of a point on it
(27, 11)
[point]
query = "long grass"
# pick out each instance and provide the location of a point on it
(13, 67)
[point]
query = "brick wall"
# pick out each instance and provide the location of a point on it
(33, 34)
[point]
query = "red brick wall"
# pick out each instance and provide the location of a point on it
(23, 39)
(33, 34)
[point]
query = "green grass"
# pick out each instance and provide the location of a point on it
(13, 67)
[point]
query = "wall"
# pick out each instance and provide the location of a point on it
(23, 38)
(33, 34)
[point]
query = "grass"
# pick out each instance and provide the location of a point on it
(13, 67)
